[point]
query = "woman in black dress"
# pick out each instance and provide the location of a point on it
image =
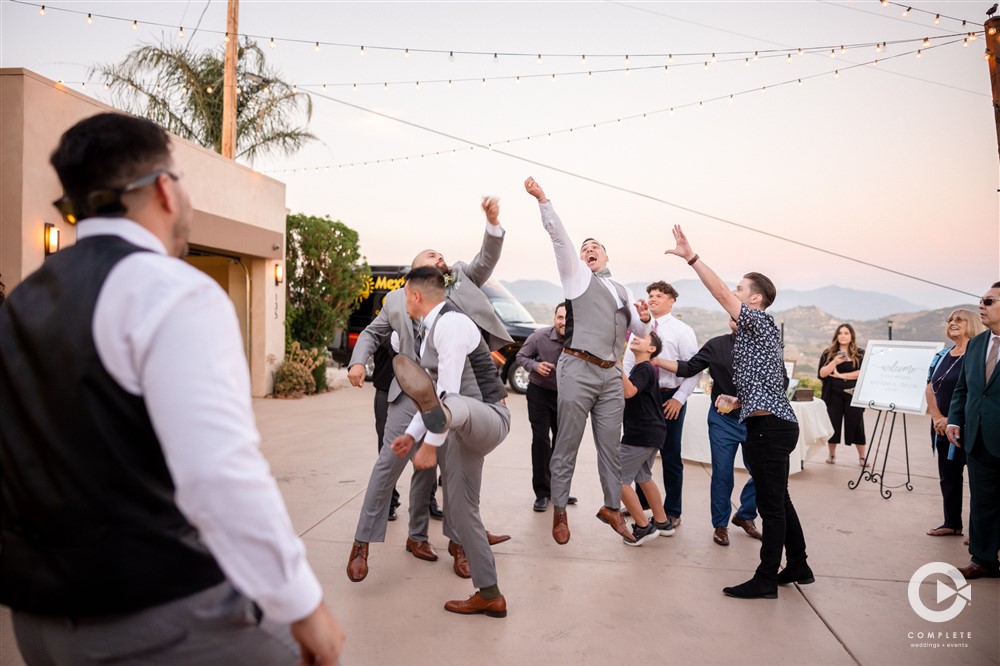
(962, 326)
(839, 367)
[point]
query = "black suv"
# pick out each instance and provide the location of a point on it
(517, 320)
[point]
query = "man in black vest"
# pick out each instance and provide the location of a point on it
(139, 521)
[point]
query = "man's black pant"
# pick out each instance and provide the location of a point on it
(951, 473)
(984, 503)
(542, 404)
(770, 441)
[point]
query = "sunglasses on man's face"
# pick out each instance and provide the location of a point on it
(107, 201)
(988, 301)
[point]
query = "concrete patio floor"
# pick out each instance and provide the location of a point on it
(594, 601)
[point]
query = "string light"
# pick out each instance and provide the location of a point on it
(583, 59)
(927, 41)
(272, 45)
(836, 74)
(842, 49)
(801, 52)
(539, 58)
(449, 83)
(755, 56)
(789, 59)
(41, 12)
(626, 60)
(360, 53)
(918, 53)
(833, 53)
(451, 56)
(316, 47)
(906, 12)
(937, 19)
(135, 25)
(496, 58)
(406, 53)
(90, 19)
(209, 89)
(180, 33)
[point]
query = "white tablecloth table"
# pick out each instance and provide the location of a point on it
(814, 431)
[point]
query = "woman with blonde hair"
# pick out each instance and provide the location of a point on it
(961, 326)
(839, 367)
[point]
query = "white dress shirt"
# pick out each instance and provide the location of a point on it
(167, 332)
(679, 344)
(574, 273)
(455, 337)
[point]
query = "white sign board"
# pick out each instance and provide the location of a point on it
(894, 375)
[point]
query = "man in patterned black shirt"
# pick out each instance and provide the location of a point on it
(772, 430)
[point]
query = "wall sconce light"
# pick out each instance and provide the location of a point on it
(279, 274)
(51, 239)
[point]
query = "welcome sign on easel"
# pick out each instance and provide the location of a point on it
(894, 375)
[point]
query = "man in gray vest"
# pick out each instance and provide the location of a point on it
(471, 416)
(599, 313)
(464, 282)
(139, 522)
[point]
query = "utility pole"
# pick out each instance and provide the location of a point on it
(992, 26)
(229, 81)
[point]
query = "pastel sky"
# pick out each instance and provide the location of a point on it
(894, 164)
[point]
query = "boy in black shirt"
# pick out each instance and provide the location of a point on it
(645, 429)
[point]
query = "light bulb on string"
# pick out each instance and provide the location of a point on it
(965, 42)
(885, 2)
(451, 56)
(209, 89)
(590, 75)
(518, 79)
(135, 25)
(789, 58)
(973, 37)
(316, 47)
(755, 56)
(449, 83)
(406, 53)
(919, 53)
(713, 57)
(361, 52)
(937, 19)
(731, 99)
(833, 53)
(496, 58)
(927, 41)
(670, 58)
(41, 12)
(626, 60)
(539, 60)
(746, 62)
(801, 52)
(385, 86)
(836, 73)
(272, 44)
(553, 78)
(90, 19)
(324, 87)
(706, 64)
(180, 33)
(627, 70)
(878, 47)
(583, 59)
(906, 12)
(484, 83)
(418, 85)
(226, 38)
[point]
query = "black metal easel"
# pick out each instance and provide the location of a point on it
(868, 473)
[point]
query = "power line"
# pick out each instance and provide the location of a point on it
(473, 145)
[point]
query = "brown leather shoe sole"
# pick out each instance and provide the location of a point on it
(357, 563)
(721, 536)
(494, 539)
(422, 550)
(416, 383)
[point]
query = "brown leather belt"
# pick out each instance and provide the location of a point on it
(589, 358)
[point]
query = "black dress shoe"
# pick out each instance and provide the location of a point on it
(571, 500)
(796, 573)
(541, 504)
(752, 589)
(392, 513)
(435, 511)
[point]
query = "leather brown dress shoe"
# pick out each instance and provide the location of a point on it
(972, 570)
(461, 565)
(422, 550)
(560, 527)
(494, 539)
(614, 518)
(357, 564)
(721, 536)
(476, 604)
(416, 383)
(749, 526)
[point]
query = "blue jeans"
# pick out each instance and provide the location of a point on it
(725, 435)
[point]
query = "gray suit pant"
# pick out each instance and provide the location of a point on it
(388, 468)
(588, 390)
(215, 626)
(476, 429)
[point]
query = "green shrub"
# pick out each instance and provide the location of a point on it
(296, 376)
(811, 383)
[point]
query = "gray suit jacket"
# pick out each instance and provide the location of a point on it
(465, 294)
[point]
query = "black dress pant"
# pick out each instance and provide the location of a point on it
(951, 473)
(542, 405)
(850, 420)
(984, 505)
(770, 441)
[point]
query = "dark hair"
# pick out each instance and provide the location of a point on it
(663, 288)
(105, 152)
(587, 240)
(655, 340)
(996, 285)
(426, 278)
(761, 284)
(561, 305)
(852, 348)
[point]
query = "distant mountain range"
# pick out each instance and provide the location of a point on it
(845, 304)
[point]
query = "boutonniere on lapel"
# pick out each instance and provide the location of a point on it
(449, 280)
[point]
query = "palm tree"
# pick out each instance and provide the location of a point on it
(182, 91)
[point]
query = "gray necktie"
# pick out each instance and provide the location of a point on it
(418, 338)
(991, 359)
